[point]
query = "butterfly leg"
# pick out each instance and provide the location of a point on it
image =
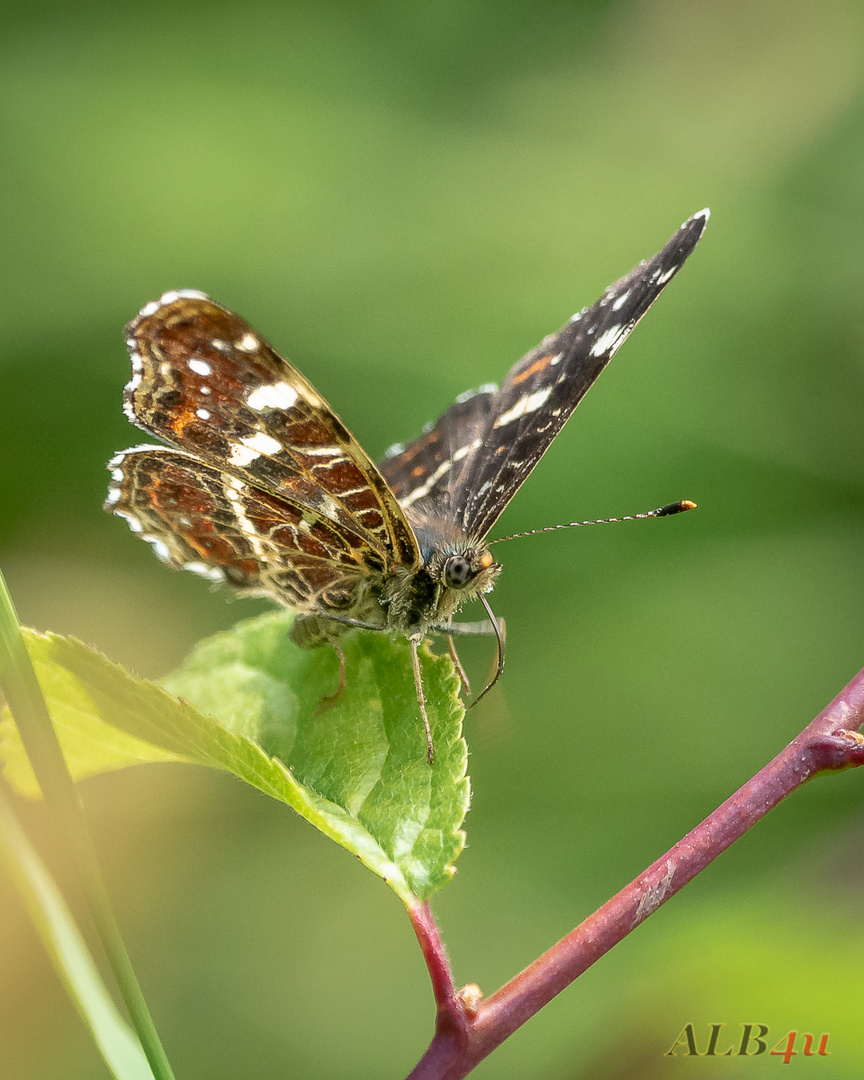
(421, 697)
(457, 663)
(310, 632)
(330, 700)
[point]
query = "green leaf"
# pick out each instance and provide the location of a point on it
(104, 717)
(356, 770)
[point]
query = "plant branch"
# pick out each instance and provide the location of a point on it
(829, 744)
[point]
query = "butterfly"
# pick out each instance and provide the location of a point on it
(262, 486)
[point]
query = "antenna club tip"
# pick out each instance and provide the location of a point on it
(676, 508)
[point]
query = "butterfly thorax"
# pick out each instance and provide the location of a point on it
(409, 600)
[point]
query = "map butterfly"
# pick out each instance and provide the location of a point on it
(262, 486)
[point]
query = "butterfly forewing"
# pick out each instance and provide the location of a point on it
(205, 381)
(542, 390)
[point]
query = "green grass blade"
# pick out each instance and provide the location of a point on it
(68, 952)
(24, 698)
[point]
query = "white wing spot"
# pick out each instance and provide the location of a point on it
(275, 396)
(247, 343)
(486, 388)
(622, 300)
(114, 495)
(233, 492)
(527, 404)
(200, 367)
(329, 508)
(168, 298)
(264, 444)
(324, 451)
(188, 294)
(463, 451)
(242, 455)
(608, 341)
(203, 414)
(424, 489)
(159, 547)
(663, 278)
(445, 466)
(212, 573)
(247, 450)
(134, 524)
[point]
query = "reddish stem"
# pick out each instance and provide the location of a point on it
(451, 1023)
(830, 743)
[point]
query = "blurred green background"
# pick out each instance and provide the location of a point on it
(405, 197)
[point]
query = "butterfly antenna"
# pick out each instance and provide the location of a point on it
(661, 511)
(500, 638)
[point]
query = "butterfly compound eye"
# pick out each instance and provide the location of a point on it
(457, 571)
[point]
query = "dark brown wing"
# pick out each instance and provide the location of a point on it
(421, 471)
(542, 390)
(205, 381)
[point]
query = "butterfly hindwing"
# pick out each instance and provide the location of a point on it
(423, 470)
(202, 519)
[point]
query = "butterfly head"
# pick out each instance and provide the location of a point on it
(461, 566)
(461, 573)
(453, 568)
(471, 570)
